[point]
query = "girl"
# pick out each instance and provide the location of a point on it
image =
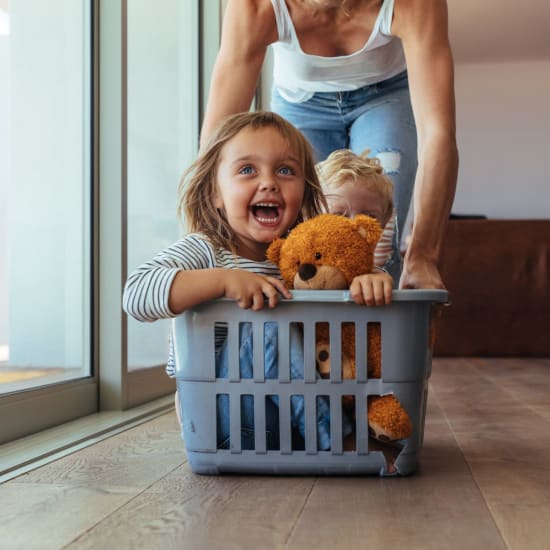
(254, 180)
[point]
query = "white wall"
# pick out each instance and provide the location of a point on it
(503, 132)
(502, 57)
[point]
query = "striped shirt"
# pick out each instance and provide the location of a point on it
(384, 248)
(147, 289)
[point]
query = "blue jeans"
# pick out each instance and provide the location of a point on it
(270, 372)
(378, 117)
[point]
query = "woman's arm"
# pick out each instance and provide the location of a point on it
(422, 26)
(249, 26)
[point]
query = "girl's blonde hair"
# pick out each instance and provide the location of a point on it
(197, 187)
(344, 165)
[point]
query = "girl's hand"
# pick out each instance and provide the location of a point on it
(372, 289)
(251, 290)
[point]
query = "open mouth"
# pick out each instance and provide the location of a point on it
(266, 212)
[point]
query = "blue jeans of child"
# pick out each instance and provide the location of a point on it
(378, 117)
(270, 372)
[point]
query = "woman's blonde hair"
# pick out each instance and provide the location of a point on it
(344, 165)
(197, 187)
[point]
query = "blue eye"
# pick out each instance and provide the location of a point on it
(286, 171)
(246, 170)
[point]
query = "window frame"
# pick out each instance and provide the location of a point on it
(119, 387)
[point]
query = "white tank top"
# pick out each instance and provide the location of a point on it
(298, 75)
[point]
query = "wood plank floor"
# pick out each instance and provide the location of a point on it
(483, 483)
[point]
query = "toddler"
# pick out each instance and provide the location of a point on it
(354, 184)
(253, 181)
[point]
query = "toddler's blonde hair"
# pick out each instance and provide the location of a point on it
(197, 187)
(343, 165)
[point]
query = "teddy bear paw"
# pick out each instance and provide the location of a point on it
(388, 420)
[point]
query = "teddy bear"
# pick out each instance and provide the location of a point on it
(325, 253)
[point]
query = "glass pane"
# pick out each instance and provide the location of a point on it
(45, 106)
(162, 137)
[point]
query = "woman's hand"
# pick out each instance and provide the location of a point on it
(420, 273)
(422, 26)
(372, 289)
(251, 290)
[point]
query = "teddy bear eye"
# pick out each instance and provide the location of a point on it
(317, 255)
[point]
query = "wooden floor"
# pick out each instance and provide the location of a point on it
(483, 483)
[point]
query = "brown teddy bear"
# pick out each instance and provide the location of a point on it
(327, 252)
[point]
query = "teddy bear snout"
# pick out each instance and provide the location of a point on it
(307, 271)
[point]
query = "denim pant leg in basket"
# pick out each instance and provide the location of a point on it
(271, 372)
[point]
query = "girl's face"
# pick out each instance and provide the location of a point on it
(353, 198)
(260, 185)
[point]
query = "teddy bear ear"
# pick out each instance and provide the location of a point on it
(274, 251)
(368, 228)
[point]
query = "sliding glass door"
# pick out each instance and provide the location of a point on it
(162, 128)
(100, 103)
(45, 200)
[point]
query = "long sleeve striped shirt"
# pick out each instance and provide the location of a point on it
(147, 289)
(384, 248)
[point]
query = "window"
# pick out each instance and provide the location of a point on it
(45, 198)
(91, 150)
(161, 143)
(45, 194)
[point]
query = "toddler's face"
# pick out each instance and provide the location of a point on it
(353, 198)
(260, 185)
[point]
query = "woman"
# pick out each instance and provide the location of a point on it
(352, 73)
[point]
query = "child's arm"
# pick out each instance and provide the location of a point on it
(183, 275)
(249, 290)
(372, 289)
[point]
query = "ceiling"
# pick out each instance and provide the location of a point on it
(499, 30)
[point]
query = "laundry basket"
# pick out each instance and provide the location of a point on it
(405, 359)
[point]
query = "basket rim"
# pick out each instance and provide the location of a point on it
(408, 295)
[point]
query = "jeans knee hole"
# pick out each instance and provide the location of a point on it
(390, 161)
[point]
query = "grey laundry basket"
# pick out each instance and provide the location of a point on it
(406, 365)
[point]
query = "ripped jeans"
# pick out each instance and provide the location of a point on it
(272, 410)
(378, 117)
